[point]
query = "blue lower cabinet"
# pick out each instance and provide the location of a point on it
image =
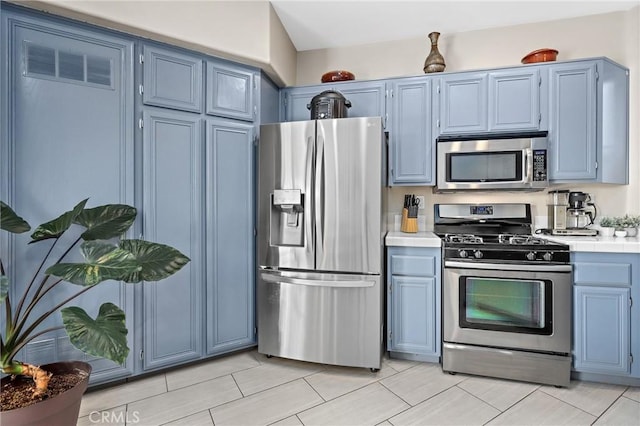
(606, 337)
(413, 303)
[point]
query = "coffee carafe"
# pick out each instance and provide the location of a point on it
(581, 212)
(571, 213)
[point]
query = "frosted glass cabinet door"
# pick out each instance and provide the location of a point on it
(173, 206)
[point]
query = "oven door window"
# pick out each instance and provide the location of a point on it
(498, 166)
(513, 305)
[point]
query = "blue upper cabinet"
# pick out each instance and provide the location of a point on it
(367, 99)
(514, 100)
(589, 122)
(463, 103)
(494, 101)
(172, 79)
(231, 92)
(411, 147)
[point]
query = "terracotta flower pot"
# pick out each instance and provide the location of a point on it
(62, 409)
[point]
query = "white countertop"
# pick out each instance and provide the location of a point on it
(598, 243)
(418, 239)
(576, 243)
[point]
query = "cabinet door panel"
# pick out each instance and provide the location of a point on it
(230, 92)
(601, 335)
(514, 100)
(173, 209)
(295, 101)
(463, 106)
(367, 98)
(172, 79)
(413, 315)
(69, 110)
(411, 145)
(229, 233)
(572, 124)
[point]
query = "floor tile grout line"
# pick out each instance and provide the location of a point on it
(611, 405)
(216, 377)
(479, 399)
(541, 389)
(237, 385)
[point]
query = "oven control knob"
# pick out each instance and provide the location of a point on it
(463, 253)
(477, 254)
(548, 256)
(531, 255)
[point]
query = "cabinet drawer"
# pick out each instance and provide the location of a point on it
(614, 274)
(402, 264)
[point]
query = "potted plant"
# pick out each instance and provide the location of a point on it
(608, 226)
(105, 336)
(630, 224)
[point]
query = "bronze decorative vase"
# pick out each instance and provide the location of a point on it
(435, 61)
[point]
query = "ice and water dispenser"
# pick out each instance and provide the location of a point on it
(287, 218)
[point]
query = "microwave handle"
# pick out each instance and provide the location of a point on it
(528, 158)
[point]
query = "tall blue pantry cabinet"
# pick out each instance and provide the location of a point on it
(67, 134)
(92, 113)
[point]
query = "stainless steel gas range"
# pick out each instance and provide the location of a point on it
(506, 295)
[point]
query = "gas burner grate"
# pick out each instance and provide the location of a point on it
(520, 239)
(463, 238)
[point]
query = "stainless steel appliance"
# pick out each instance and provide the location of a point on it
(328, 104)
(320, 241)
(571, 213)
(508, 162)
(506, 295)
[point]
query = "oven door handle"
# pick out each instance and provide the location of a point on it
(507, 266)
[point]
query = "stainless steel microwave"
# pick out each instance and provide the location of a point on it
(508, 162)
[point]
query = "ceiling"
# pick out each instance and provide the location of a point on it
(313, 24)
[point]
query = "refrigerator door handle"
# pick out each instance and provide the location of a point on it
(319, 197)
(309, 183)
(270, 278)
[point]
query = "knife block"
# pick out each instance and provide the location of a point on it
(409, 224)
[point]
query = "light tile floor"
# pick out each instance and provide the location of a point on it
(248, 388)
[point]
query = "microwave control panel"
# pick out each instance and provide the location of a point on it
(539, 165)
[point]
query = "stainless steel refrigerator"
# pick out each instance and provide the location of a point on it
(320, 240)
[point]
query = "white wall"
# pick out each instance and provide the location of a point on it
(614, 35)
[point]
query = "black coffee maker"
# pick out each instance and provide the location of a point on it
(581, 211)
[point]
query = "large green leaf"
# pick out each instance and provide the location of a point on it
(105, 222)
(10, 221)
(106, 336)
(158, 261)
(57, 226)
(4, 287)
(104, 261)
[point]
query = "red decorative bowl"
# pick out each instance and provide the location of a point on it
(540, 55)
(339, 75)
